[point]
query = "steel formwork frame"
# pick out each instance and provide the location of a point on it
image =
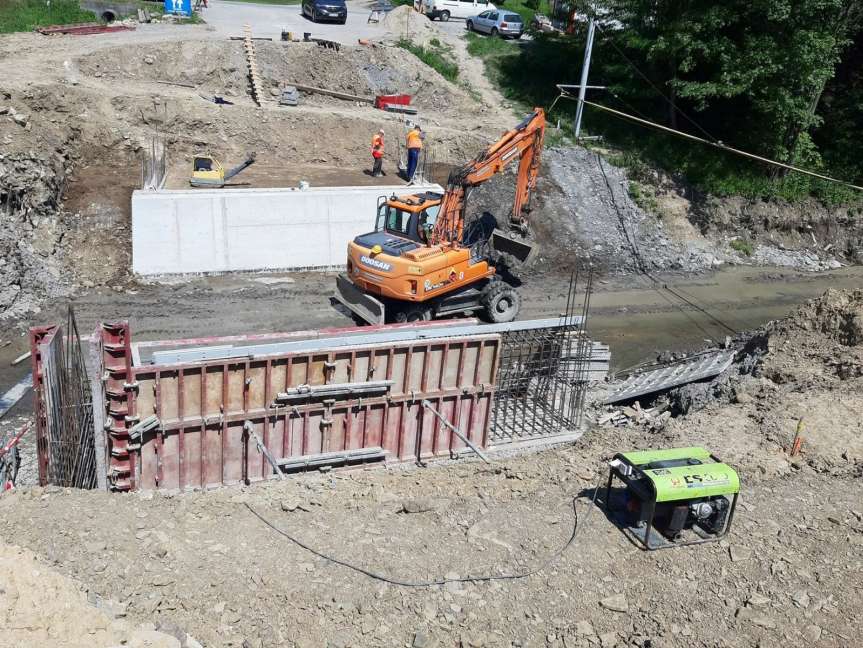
(119, 397)
(37, 335)
(208, 410)
(65, 435)
(200, 420)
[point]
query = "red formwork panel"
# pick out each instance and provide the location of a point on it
(38, 335)
(119, 391)
(203, 407)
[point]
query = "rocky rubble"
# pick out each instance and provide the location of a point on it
(807, 234)
(808, 366)
(39, 607)
(670, 229)
(31, 185)
(598, 222)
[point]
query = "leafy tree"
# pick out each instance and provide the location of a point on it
(753, 71)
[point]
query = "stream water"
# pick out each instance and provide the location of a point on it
(638, 321)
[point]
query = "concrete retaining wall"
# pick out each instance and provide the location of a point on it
(225, 230)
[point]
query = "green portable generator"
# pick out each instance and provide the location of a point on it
(672, 497)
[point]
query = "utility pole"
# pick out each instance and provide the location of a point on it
(585, 67)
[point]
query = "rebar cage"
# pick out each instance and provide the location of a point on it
(64, 417)
(542, 375)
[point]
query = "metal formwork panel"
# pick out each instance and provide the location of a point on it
(38, 336)
(207, 411)
(119, 398)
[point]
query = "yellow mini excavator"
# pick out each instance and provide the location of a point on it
(416, 265)
(207, 171)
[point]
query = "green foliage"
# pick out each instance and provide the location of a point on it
(25, 15)
(485, 46)
(755, 69)
(642, 197)
(437, 57)
(526, 8)
(742, 246)
(750, 73)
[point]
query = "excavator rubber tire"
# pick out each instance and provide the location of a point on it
(501, 302)
(413, 314)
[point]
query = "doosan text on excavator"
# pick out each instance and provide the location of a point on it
(416, 265)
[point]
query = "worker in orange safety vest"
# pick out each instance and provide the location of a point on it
(415, 145)
(378, 154)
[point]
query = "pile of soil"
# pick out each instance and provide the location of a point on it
(809, 367)
(404, 22)
(219, 67)
(41, 607)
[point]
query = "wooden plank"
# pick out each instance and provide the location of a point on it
(332, 93)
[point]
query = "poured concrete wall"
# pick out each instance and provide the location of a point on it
(225, 230)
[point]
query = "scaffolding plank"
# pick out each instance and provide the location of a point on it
(681, 372)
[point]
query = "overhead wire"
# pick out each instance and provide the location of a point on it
(717, 145)
(671, 103)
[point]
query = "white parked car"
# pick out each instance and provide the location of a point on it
(446, 9)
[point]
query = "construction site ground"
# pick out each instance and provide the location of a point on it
(202, 564)
(157, 569)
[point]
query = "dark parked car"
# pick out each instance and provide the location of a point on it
(330, 10)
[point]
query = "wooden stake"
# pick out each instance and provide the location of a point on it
(798, 440)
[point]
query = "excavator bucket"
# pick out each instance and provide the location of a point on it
(510, 243)
(364, 306)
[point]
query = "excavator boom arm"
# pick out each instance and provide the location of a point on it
(524, 142)
(249, 161)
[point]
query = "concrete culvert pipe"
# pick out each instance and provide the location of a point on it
(109, 16)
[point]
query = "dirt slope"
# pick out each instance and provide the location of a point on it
(77, 113)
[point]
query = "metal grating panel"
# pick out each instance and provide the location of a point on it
(699, 367)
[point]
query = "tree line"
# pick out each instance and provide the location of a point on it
(779, 78)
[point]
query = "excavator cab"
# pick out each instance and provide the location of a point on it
(410, 217)
(207, 169)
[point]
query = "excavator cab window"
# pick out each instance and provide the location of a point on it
(203, 164)
(398, 222)
(427, 220)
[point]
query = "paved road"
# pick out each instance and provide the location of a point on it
(228, 19)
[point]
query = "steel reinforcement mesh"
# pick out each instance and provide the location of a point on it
(68, 447)
(542, 376)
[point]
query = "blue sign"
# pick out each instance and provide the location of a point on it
(178, 7)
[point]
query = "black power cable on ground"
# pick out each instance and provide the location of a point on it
(439, 581)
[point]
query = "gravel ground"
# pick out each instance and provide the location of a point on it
(789, 572)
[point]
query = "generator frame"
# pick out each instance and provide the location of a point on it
(628, 470)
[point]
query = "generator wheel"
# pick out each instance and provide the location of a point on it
(501, 302)
(413, 314)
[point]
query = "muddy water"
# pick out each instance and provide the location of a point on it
(636, 319)
(639, 321)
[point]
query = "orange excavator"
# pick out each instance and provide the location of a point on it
(417, 266)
